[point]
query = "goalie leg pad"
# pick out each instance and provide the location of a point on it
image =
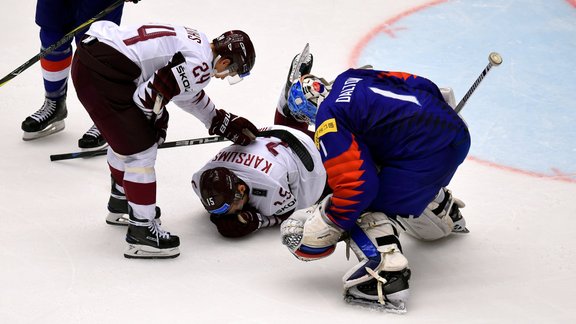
(440, 218)
(382, 275)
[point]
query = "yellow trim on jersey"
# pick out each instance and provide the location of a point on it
(328, 126)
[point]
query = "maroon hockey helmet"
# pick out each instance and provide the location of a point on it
(219, 189)
(236, 46)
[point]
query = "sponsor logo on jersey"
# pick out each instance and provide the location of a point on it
(328, 126)
(181, 76)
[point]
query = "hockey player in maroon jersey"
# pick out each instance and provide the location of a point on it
(124, 77)
(390, 143)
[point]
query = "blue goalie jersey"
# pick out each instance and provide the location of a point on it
(389, 142)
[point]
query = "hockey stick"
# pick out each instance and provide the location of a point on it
(494, 59)
(194, 141)
(59, 43)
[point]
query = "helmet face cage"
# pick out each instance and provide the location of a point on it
(304, 97)
(218, 188)
(236, 46)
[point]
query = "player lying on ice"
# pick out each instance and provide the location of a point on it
(390, 143)
(246, 188)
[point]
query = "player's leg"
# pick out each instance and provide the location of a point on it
(55, 18)
(381, 277)
(93, 139)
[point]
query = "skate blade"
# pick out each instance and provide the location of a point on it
(387, 307)
(136, 251)
(49, 130)
(117, 219)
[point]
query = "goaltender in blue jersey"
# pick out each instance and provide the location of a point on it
(390, 142)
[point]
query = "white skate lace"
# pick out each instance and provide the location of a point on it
(157, 230)
(381, 282)
(154, 228)
(93, 131)
(46, 111)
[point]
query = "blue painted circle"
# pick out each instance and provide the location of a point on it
(523, 114)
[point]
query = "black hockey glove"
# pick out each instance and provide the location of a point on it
(237, 129)
(135, 1)
(236, 225)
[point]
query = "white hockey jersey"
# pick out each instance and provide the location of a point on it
(151, 47)
(276, 176)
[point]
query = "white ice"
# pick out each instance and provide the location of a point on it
(61, 263)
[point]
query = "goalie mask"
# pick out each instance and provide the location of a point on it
(219, 190)
(236, 46)
(305, 96)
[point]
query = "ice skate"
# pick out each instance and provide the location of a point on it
(387, 292)
(49, 119)
(118, 210)
(92, 140)
(146, 240)
(459, 221)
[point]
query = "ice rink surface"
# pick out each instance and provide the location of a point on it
(60, 262)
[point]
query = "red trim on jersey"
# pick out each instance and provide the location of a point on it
(56, 66)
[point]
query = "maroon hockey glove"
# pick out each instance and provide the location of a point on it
(232, 226)
(164, 85)
(237, 129)
(161, 126)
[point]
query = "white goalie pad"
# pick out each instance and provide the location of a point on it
(382, 280)
(435, 222)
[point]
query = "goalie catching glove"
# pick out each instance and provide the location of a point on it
(237, 129)
(309, 234)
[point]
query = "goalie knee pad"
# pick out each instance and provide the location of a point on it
(440, 218)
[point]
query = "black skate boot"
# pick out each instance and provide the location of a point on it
(49, 119)
(146, 240)
(92, 140)
(394, 291)
(118, 209)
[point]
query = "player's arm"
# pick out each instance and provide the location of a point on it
(352, 174)
(245, 222)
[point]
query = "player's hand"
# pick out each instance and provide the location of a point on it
(237, 129)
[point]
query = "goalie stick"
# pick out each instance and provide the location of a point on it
(84, 154)
(59, 43)
(494, 59)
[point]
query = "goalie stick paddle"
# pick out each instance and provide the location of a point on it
(494, 59)
(59, 43)
(85, 154)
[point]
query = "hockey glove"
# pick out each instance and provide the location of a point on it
(237, 129)
(161, 126)
(237, 225)
(165, 84)
(309, 234)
